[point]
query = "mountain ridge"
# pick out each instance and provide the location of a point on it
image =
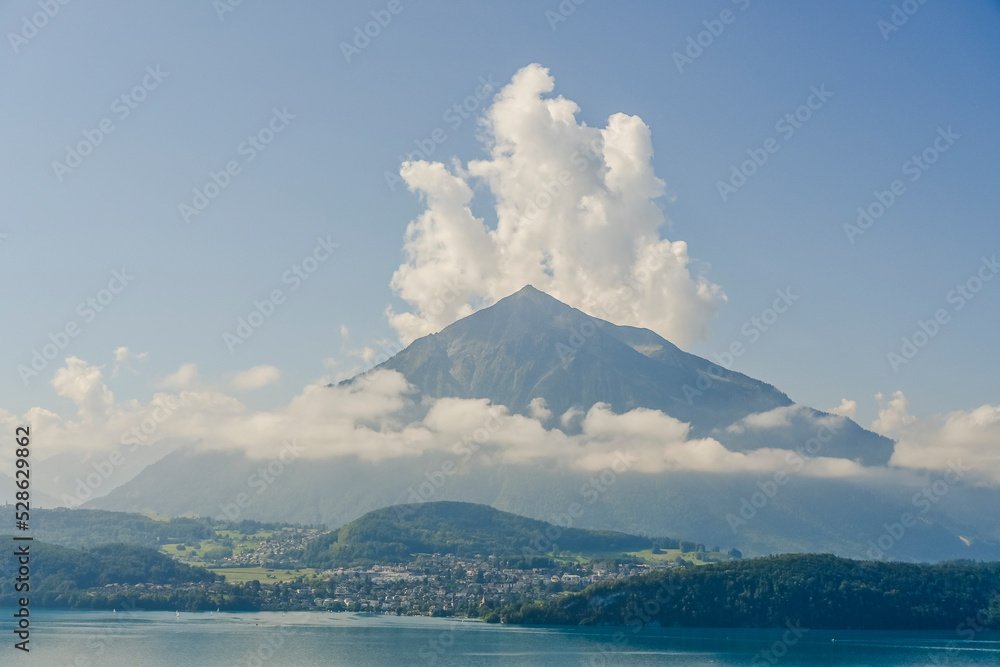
(530, 345)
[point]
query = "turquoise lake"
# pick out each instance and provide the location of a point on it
(298, 639)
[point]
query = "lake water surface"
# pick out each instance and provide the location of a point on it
(299, 639)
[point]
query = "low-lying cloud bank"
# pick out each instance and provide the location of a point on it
(379, 417)
(969, 436)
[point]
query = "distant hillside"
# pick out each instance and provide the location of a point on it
(807, 591)
(59, 572)
(394, 534)
(84, 529)
(529, 345)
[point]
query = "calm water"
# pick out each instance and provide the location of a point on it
(158, 639)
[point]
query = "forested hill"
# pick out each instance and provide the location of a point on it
(84, 529)
(810, 591)
(60, 573)
(394, 534)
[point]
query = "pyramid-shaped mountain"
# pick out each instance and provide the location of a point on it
(530, 345)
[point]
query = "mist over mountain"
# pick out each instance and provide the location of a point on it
(541, 358)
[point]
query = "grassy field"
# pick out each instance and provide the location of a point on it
(185, 553)
(241, 575)
(646, 556)
(670, 554)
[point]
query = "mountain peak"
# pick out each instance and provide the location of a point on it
(531, 294)
(530, 345)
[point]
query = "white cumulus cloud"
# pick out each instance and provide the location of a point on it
(380, 417)
(576, 216)
(255, 378)
(847, 408)
(893, 415)
(185, 377)
(965, 439)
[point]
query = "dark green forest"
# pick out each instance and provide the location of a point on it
(812, 591)
(81, 528)
(65, 577)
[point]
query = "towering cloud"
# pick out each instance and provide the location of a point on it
(576, 216)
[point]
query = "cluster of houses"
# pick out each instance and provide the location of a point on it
(445, 584)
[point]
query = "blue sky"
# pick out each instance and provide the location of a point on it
(324, 176)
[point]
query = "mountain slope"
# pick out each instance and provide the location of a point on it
(798, 592)
(530, 345)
